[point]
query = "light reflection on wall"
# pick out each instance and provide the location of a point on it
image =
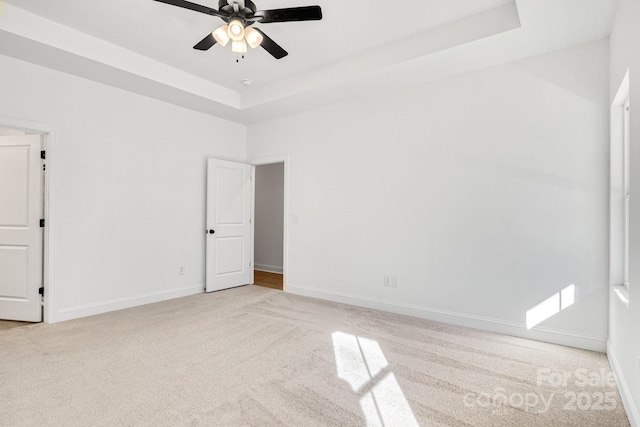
(622, 296)
(362, 364)
(551, 306)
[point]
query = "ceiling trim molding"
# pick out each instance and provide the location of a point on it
(37, 29)
(469, 29)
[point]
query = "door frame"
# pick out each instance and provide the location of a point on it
(283, 158)
(50, 136)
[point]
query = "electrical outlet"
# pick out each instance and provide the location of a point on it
(391, 281)
(181, 270)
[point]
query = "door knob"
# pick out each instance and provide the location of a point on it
(212, 231)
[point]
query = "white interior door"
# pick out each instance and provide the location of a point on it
(20, 233)
(229, 251)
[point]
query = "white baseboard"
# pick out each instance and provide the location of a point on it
(633, 412)
(566, 338)
(268, 268)
(121, 303)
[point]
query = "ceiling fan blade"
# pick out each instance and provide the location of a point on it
(193, 6)
(206, 43)
(305, 13)
(272, 47)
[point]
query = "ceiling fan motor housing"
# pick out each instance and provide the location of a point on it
(242, 14)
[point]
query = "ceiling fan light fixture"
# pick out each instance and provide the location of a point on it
(236, 30)
(239, 46)
(253, 37)
(238, 17)
(221, 34)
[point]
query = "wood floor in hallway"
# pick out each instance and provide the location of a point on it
(268, 280)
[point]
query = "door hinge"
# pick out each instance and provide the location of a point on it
(43, 155)
(41, 291)
(42, 223)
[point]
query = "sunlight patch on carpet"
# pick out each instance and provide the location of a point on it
(362, 364)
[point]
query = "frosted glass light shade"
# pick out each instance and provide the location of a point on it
(253, 37)
(221, 34)
(236, 30)
(239, 46)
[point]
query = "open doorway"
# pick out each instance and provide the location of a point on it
(22, 183)
(269, 225)
(48, 137)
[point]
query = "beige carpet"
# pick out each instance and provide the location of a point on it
(252, 356)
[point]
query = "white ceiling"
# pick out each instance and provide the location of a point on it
(359, 46)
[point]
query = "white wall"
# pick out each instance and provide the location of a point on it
(624, 322)
(269, 211)
(129, 187)
(485, 193)
(10, 132)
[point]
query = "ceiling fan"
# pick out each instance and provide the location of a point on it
(239, 16)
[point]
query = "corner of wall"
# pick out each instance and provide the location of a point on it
(633, 412)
